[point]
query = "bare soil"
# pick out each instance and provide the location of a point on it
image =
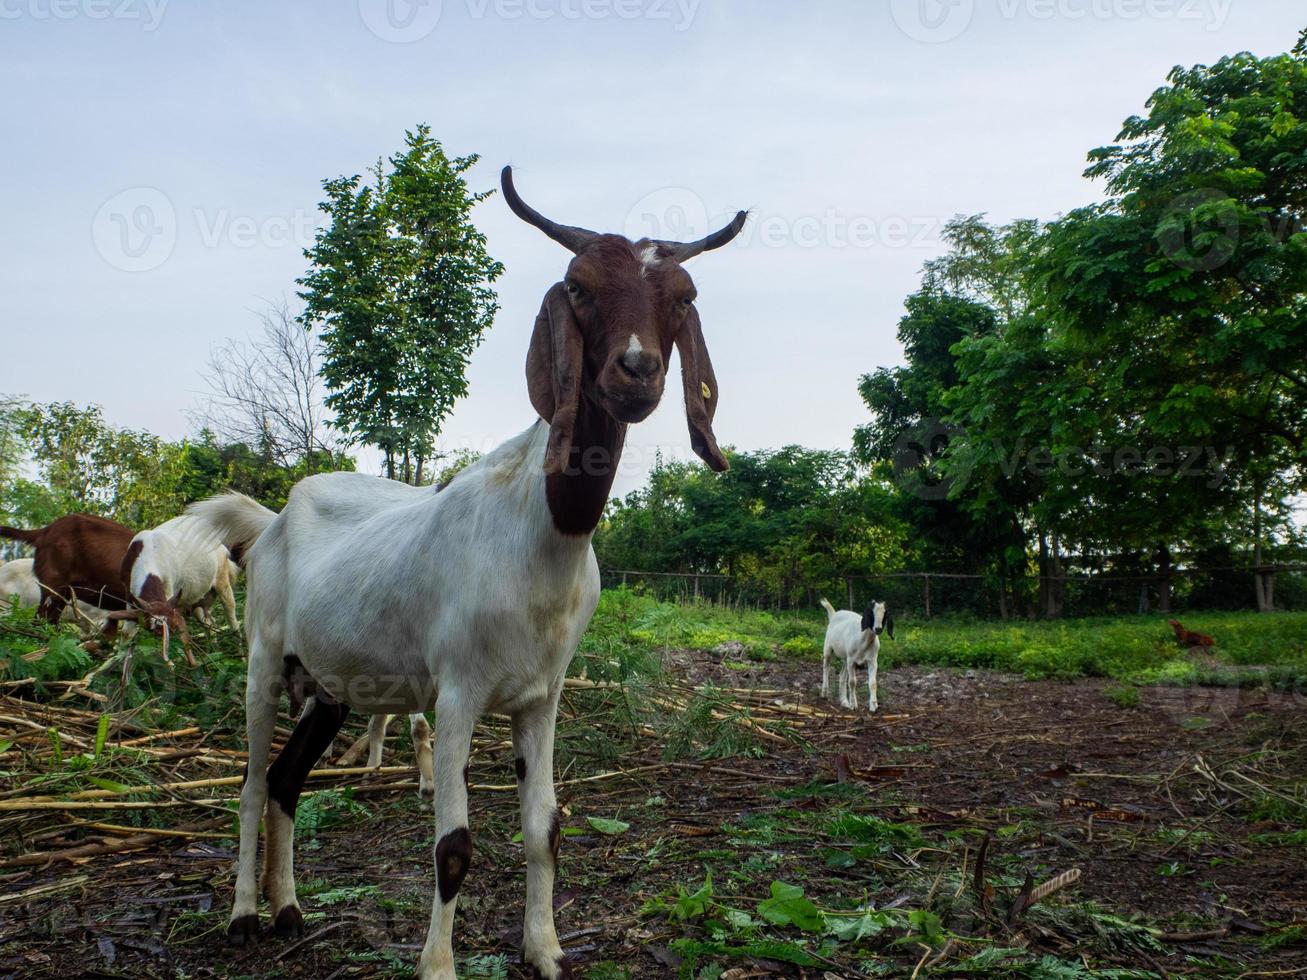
(1156, 804)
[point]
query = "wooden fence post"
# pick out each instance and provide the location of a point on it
(848, 582)
(927, 577)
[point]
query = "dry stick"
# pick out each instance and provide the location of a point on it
(88, 850)
(1054, 885)
(41, 891)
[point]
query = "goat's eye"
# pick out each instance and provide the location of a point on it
(572, 288)
(688, 301)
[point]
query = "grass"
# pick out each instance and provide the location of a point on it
(1251, 648)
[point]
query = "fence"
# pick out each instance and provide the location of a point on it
(929, 594)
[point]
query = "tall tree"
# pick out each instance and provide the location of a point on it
(401, 290)
(1183, 297)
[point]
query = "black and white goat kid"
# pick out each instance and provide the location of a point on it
(392, 599)
(856, 641)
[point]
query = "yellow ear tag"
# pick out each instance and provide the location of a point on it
(707, 392)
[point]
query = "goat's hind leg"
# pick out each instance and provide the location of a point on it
(262, 696)
(314, 732)
(533, 745)
(420, 730)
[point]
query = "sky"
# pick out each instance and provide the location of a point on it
(164, 163)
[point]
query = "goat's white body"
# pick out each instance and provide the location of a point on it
(190, 560)
(471, 587)
(856, 647)
(394, 598)
(18, 578)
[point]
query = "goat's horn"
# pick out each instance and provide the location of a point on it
(680, 251)
(569, 237)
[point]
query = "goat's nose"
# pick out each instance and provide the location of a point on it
(639, 363)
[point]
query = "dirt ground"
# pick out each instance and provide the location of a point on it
(1154, 803)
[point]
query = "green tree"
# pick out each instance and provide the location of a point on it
(400, 290)
(87, 465)
(1182, 299)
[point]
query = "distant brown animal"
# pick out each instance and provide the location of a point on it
(1189, 639)
(78, 557)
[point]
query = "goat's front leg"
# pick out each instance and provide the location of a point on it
(872, 683)
(533, 746)
(455, 718)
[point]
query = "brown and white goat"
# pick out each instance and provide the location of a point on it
(176, 569)
(392, 598)
(79, 556)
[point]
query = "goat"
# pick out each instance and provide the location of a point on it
(174, 569)
(393, 598)
(79, 556)
(856, 641)
(1188, 638)
(18, 579)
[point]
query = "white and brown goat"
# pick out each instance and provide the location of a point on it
(393, 598)
(174, 570)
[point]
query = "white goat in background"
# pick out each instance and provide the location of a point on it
(856, 641)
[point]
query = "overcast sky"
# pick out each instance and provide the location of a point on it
(164, 160)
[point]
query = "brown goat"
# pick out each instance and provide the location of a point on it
(1190, 639)
(78, 556)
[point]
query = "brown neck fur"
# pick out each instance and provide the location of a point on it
(577, 497)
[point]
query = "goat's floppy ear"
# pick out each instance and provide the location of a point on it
(869, 618)
(889, 625)
(553, 374)
(700, 391)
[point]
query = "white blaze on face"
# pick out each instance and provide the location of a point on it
(648, 258)
(878, 616)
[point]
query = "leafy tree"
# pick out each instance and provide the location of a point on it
(85, 464)
(401, 290)
(1182, 300)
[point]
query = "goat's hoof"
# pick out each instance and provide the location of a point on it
(289, 922)
(562, 971)
(243, 930)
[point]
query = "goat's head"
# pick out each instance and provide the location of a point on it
(878, 620)
(161, 617)
(606, 332)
